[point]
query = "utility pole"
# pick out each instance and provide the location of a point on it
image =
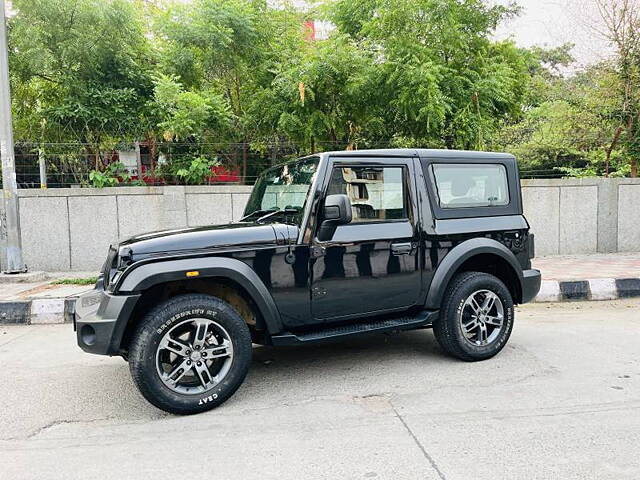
(15, 263)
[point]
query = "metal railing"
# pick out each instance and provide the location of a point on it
(60, 165)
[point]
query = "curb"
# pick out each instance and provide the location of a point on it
(39, 311)
(596, 289)
(58, 310)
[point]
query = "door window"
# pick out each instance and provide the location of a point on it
(376, 193)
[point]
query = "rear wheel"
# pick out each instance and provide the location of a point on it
(476, 318)
(190, 354)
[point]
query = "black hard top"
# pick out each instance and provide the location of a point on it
(424, 153)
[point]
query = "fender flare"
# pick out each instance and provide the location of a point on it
(460, 254)
(144, 276)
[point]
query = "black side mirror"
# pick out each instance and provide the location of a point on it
(336, 211)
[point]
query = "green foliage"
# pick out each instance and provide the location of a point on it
(187, 170)
(76, 281)
(113, 175)
(82, 69)
(187, 114)
(448, 84)
(423, 73)
(570, 130)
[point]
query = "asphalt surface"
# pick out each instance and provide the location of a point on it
(561, 401)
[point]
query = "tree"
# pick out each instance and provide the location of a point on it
(82, 67)
(621, 27)
(447, 83)
(330, 98)
(569, 130)
(234, 49)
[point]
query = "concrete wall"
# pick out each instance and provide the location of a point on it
(71, 229)
(583, 215)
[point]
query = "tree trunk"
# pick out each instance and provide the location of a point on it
(634, 167)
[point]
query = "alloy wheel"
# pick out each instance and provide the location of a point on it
(482, 317)
(194, 356)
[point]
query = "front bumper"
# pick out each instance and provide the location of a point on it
(100, 319)
(530, 284)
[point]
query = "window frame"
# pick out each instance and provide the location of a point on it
(503, 169)
(405, 185)
(514, 207)
(359, 159)
(312, 186)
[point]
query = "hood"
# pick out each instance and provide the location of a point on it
(192, 239)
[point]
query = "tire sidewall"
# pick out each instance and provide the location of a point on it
(143, 360)
(483, 282)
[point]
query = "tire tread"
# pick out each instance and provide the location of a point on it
(444, 328)
(146, 328)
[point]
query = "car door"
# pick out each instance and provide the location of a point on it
(371, 265)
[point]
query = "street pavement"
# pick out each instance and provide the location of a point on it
(562, 401)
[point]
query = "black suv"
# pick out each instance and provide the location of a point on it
(331, 245)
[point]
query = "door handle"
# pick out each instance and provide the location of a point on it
(401, 248)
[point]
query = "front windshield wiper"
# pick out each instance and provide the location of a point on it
(286, 211)
(257, 212)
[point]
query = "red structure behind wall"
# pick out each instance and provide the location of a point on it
(310, 30)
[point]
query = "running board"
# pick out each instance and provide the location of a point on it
(423, 319)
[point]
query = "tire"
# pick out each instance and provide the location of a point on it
(463, 329)
(167, 354)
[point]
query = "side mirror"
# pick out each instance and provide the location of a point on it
(336, 211)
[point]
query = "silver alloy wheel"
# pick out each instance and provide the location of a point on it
(194, 356)
(482, 317)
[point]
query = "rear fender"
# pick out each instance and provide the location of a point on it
(459, 255)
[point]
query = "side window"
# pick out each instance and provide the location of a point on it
(376, 193)
(466, 185)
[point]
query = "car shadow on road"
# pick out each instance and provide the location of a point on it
(353, 364)
(350, 351)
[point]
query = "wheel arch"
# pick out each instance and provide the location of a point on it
(481, 255)
(218, 276)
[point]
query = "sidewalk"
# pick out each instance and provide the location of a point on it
(585, 267)
(588, 277)
(565, 278)
(40, 301)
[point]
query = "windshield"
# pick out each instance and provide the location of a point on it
(285, 188)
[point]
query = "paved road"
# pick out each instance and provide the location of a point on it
(561, 401)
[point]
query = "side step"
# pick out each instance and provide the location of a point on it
(424, 318)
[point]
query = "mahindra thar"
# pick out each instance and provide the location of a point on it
(331, 245)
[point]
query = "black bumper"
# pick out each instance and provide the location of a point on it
(530, 284)
(100, 320)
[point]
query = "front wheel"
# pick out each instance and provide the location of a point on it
(190, 354)
(476, 317)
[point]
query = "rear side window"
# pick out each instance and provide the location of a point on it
(477, 185)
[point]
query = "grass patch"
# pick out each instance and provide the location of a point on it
(76, 281)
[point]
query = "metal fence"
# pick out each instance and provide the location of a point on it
(59, 165)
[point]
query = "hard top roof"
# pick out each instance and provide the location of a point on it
(423, 153)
